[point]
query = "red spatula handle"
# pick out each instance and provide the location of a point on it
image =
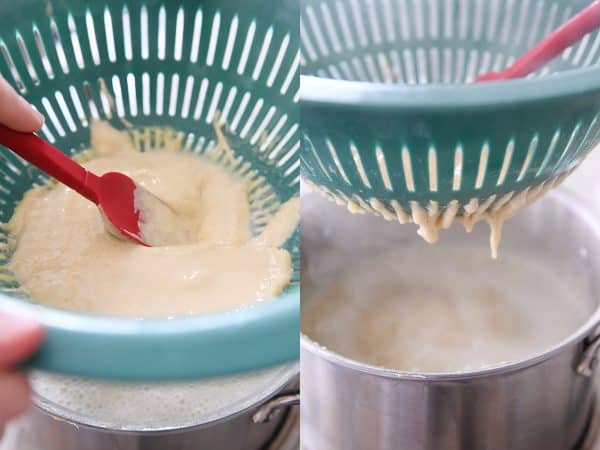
(51, 160)
(586, 21)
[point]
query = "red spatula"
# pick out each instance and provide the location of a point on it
(586, 21)
(114, 193)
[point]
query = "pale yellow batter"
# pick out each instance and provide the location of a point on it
(65, 258)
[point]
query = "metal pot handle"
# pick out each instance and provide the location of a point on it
(269, 409)
(589, 359)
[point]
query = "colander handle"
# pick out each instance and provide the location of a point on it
(50, 160)
(586, 21)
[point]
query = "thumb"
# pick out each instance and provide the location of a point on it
(16, 112)
(19, 338)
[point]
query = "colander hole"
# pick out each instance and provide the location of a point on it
(432, 169)
(91, 30)
(421, 66)
(306, 43)
(65, 111)
(43, 54)
(27, 59)
(144, 32)
(118, 96)
(471, 69)
(458, 168)
(274, 132)
(174, 93)
(522, 20)
(201, 99)
(263, 124)
(360, 26)
(477, 19)
(90, 100)
(530, 152)
(132, 94)
(195, 48)
(212, 108)
(110, 39)
(418, 19)
(162, 33)
(160, 93)
(409, 67)
(344, 25)
(187, 96)
(508, 152)
(593, 50)
(549, 152)
(179, 34)
(316, 31)
(329, 28)
(246, 50)
(238, 115)
(53, 117)
(214, 36)
(224, 118)
(104, 99)
(283, 142)
(263, 54)
(278, 60)
(434, 61)
(233, 27)
(581, 49)
(75, 43)
(250, 121)
(482, 168)
(507, 21)
(568, 147)
(127, 46)
(448, 14)
(373, 23)
(370, 65)
(534, 26)
(293, 167)
(60, 52)
(383, 170)
(407, 169)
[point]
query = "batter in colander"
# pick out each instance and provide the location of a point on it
(64, 257)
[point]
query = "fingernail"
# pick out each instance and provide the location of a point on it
(38, 115)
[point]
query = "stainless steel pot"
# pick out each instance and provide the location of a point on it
(541, 403)
(52, 427)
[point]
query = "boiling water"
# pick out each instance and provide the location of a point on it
(446, 310)
(147, 406)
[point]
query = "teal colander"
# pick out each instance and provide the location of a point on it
(390, 119)
(176, 65)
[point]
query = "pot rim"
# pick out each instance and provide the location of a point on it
(58, 412)
(586, 212)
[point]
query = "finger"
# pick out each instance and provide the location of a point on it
(14, 396)
(19, 337)
(16, 112)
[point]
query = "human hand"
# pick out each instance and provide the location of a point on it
(18, 339)
(16, 112)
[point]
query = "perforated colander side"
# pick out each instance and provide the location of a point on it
(441, 144)
(163, 71)
(435, 41)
